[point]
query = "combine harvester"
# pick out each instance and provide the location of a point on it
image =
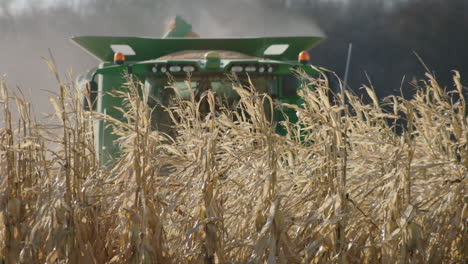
(270, 62)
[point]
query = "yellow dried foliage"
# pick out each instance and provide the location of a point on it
(343, 186)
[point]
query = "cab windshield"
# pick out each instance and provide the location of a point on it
(160, 93)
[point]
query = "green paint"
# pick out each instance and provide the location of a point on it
(181, 29)
(213, 60)
(211, 63)
(153, 48)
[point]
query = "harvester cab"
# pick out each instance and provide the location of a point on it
(269, 62)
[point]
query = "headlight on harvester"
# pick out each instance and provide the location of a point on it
(237, 69)
(163, 68)
(254, 68)
(175, 68)
(188, 68)
(250, 68)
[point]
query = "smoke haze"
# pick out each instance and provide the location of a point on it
(31, 32)
(385, 36)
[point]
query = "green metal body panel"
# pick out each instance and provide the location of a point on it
(153, 48)
(148, 56)
(180, 28)
(105, 104)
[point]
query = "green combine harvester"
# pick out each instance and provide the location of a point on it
(270, 62)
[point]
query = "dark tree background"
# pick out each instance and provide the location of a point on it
(387, 39)
(386, 35)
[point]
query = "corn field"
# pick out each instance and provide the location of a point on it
(343, 186)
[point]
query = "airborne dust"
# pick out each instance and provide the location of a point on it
(29, 33)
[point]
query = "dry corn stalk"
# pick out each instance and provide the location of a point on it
(341, 186)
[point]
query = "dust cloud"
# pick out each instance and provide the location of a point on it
(30, 33)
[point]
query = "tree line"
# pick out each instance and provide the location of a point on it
(392, 43)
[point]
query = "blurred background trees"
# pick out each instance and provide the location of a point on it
(385, 34)
(386, 39)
